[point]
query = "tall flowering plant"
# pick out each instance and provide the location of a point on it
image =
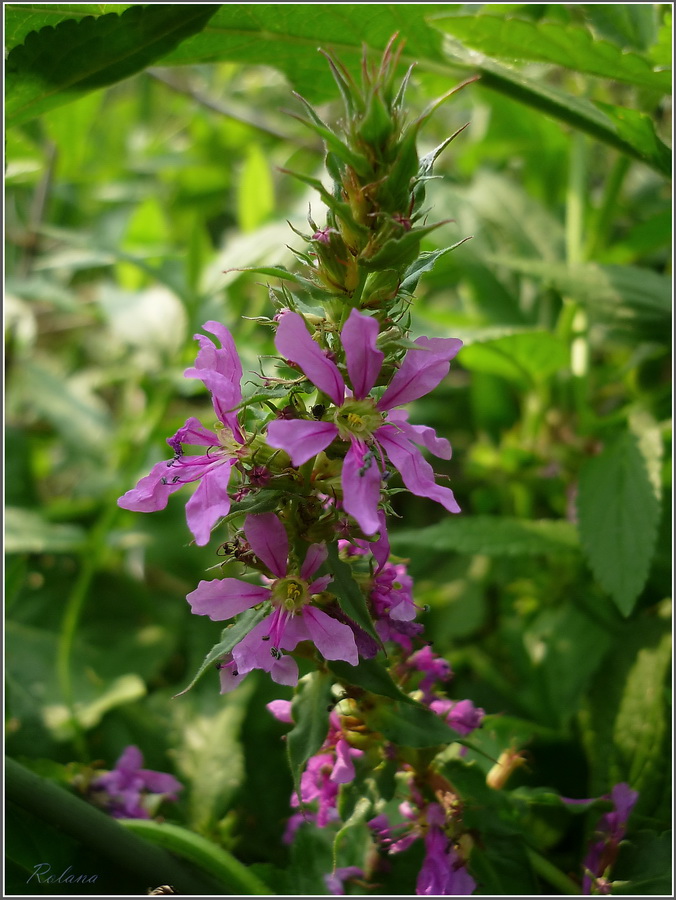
(299, 495)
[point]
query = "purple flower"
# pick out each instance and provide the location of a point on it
(443, 872)
(435, 668)
(316, 785)
(221, 372)
(334, 881)
(610, 831)
(124, 791)
(461, 715)
(293, 617)
(373, 428)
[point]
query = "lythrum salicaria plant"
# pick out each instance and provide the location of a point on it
(295, 482)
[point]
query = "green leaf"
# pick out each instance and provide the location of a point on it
(627, 24)
(310, 862)
(27, 531)
(231, 636)
(566, 647)
(370, 675)
(349, 594)
(572, 46)
(209, 754)
(255, 190)
(310, 713)
(410, 725)
(425, 263)
(206, 855)
(58, 64)
(287, 36)
(625, 719)
(50, 805)
(274, 272)
(629, 132)
(627, 297)
(76, 412)
(618, 519)
(20, 20)
(525, 357)
(644, 865)
(491, 535)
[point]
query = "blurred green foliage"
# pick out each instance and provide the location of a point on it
(130, 211)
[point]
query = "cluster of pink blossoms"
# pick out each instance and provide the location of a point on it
(229, 468)
(338, 459)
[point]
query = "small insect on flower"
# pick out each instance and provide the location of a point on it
(318, 410)
(162, 889)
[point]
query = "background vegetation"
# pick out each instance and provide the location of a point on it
(133, 194)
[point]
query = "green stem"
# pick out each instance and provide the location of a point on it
(551, 874)
(92, 555)
(604, 215)
(575, 200)
(51, 804)
(71, 618)
(207, 856)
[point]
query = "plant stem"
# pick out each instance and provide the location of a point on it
(49, 803)
(91, 556)
(600, 226)
(210, 858)
(551, 874)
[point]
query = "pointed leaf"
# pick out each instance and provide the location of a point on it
(631, 132)
(349, 594)
(370, 675)
(410, 726)
(425, 263)
(492, 536)
(56, 65)
(230, 636)
(619, 514)
(310, 712)
(573, 46)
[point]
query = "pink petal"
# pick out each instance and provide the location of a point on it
(195, 434)
(421, 371)
(343, 771)
(416, 472)
(225, 597)
(269, 541)
(152, 491)
(320, 584)
(420, 434)
(209, 502)
(285, 671)
(281, 710)
(223, 361)
(364, 361)
(361, 487)
(333, 639)
(220, 370)
(302, 439)
(315, 556)
(294, 343)
(229, 681)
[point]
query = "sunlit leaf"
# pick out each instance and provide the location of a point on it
(573, 46)
(58, 64)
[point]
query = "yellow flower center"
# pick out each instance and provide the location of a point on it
(290, 593)
(357, 418)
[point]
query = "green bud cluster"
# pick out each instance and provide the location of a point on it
(372, 236)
